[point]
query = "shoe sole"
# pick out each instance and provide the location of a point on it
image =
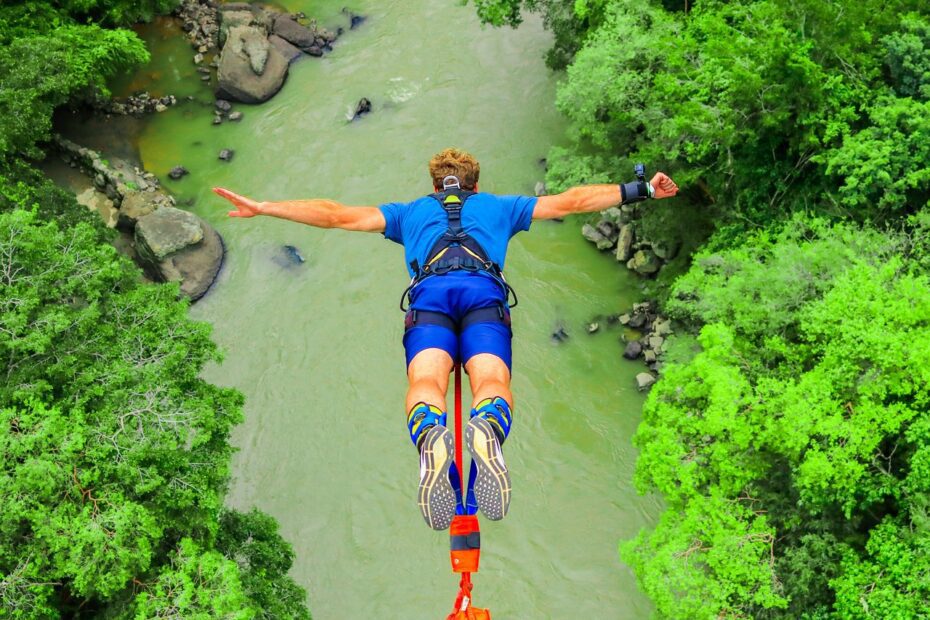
(435, 495)
(492, 481)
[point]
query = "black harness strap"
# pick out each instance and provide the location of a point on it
(455, 249)
(489, 314)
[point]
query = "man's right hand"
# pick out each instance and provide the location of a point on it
(245, 207)
(663, 185)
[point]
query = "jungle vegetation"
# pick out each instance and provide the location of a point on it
(790, 436)
(114, 454)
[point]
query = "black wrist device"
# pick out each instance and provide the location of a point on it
(638, 190)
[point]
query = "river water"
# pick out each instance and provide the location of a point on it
(316, 348)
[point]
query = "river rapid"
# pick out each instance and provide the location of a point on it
(316, 347)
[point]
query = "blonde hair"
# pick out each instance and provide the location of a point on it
(456, 163)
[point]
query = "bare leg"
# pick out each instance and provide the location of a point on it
(428, 375)
(489, 480)
(489, 377)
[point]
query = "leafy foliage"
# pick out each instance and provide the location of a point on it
(792, 450)
(909, 57)
(766, 107)
(42, 72)
(114, 450)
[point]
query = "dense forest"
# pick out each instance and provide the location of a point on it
(790, 440)
(114, 454)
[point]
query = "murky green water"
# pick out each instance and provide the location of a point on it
(316, 348)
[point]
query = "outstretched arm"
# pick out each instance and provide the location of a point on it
(314, 212)
(587, 198)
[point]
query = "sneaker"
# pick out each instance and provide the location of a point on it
(435, 495)
(492, 481)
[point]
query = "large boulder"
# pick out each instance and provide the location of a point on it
(166, 231)
(644, 380)
(177, 246)
(251, 69)
(197, 266)
(596, 237)
(137, 205)
(294, 33)
(287, 50)
(624, 243)
(237, 14)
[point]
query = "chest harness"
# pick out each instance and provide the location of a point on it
(456, 250)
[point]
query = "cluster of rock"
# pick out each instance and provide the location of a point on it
(223, 111)
(200, 20)
(256, 45)
(651, 345)
(169, 244)
(136, 105)
(616, 231)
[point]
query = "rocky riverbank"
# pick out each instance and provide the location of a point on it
(250, 48)
(169, 244)
(617, 230)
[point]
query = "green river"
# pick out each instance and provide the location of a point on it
(316, 348)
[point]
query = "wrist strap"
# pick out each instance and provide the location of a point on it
(637, 191)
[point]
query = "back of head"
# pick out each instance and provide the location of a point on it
(457, 163)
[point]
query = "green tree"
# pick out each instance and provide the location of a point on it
(113, 448)
(792, 451)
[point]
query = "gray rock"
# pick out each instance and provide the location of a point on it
(644, 380)
(290, 52)
(637, 320)
(198, 265)
(97, 201)
(247, 15)
(289, 257)
(223, 106)
(614, 215)
(540, 189)
(165, 231)
(596, 237)
(363, 107)
(314, 50)
(649, 356)
(294, 33)
(177, 172)
(632, 350)
(235, 116)
(238, 80)
(607, 228)
(624, 319)
(656, 342)
(624, 243)
(137, 205)
(644, 262)
(593, 327)
(662, 328)
(227, 154)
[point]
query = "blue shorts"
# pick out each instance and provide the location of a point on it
(456, 294)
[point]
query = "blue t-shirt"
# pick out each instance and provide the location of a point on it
(492, 220)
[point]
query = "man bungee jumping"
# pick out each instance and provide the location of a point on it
(455, 242)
